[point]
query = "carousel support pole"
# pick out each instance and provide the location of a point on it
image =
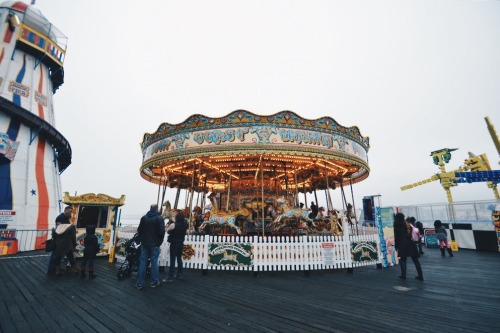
(158, 197)
(228, 192)
(316, 197)
(305, 195)
(262, 204)
(163, 196)
(202, 204)
(286, 181)
(222, 193)
(198, 184)
(329, 202)
(177, 195)
(204, 196)
(296, 189)
(344, 200)
(353, 207)
(190, 214)
(328, 206)
(239, 188)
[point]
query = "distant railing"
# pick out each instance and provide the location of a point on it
(458, 212)
(466, 211)
(27, 240)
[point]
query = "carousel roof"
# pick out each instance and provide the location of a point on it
(284, 149)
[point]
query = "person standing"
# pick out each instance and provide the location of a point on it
(442, 237)
(405, 246)
(176, 234)
(420, 228)
(63, 218)
(314, 211)
(151, 233)
(65, 237)
(89, 253)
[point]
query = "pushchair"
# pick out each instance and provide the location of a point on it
(132, 258)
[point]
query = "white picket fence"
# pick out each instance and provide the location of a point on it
(278, 253)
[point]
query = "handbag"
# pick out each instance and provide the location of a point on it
(50, 245)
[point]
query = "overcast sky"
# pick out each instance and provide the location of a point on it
(414, 76)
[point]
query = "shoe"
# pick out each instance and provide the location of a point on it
(421, 278)
(139, 286)
(155, 284)
(421, 253)
(402, 277)
(167, 280)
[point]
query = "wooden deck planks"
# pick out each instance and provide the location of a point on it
(461, 294)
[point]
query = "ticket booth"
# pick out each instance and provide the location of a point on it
(99, 210)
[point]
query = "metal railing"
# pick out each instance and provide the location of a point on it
(26, 239)
(458, 212)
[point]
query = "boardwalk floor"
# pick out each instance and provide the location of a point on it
(459, 294)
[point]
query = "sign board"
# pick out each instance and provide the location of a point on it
(328, 255)
(7, 216)
(430, 238)
(364, 251)
(230, 254)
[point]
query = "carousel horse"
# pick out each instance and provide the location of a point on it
(303, 216)
(228, 218)
(169, 213)
(330, 222)
(287, 212)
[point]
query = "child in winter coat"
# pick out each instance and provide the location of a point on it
(89, 253)
(442, 238)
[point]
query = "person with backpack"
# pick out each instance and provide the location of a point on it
(420, 228)
(442, 237)
(405, 246)
(414, 232)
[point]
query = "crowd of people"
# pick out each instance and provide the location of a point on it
(64, 245)
(405, 242)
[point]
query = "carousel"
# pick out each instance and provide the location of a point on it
(252, 168)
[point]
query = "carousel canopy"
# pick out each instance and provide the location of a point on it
(241, 149)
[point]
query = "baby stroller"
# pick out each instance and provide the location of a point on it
(133, 256)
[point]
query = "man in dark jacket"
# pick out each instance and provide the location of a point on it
(151, 232)
(176, 234)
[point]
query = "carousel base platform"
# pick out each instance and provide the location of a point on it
(463, 289)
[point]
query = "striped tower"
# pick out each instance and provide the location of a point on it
(33, 153)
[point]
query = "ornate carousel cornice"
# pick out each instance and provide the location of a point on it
(267, 150)
(239, 117)
(93, 199)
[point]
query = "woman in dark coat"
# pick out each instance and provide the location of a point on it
(65, 238)
(405, 246)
